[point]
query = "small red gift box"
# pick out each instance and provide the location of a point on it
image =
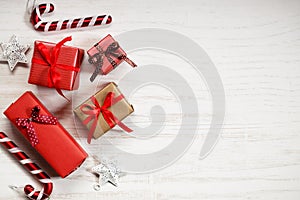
(46, 134)
(107, 55)
(56, 65)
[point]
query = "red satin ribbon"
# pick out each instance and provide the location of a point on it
(50, 58)
(93, 112)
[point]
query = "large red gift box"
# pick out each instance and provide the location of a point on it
(59, 69)
(55, 144)
(107, 55)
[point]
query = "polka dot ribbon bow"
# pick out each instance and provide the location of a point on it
(27, 123)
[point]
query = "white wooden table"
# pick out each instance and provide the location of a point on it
(255, 46)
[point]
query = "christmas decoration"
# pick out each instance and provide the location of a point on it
(33, 168)
(108, 172)
(106, 55)
(55, 144)
(103, 111)
(56, 65)
(46, 8)
(13, 52)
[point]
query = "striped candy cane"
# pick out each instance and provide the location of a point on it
(63, 24)
(33, 168)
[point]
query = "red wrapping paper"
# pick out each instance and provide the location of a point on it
(104, 43)
(55, 145)
(68, 56)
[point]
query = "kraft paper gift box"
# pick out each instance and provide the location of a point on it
(95, 120)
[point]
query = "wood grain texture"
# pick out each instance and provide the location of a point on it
(255, 45)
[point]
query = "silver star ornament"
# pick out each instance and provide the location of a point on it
(13, 52)
(108, 172)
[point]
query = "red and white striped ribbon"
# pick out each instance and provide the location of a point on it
(33, 168)
(45, 8)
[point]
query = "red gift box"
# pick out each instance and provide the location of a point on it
(55, 144)
(56, 65)
(107, 55)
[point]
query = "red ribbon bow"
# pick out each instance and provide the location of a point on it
(95, 110)
(50, 58)
(35, 117)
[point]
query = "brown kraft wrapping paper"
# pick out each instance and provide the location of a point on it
(120, 110)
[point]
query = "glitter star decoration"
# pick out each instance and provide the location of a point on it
(13, 52)
(108, 172)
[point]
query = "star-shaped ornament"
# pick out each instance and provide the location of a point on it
(108, 172)
(13, 52)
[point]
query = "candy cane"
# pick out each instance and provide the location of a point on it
(33, 168)
(63, 24)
